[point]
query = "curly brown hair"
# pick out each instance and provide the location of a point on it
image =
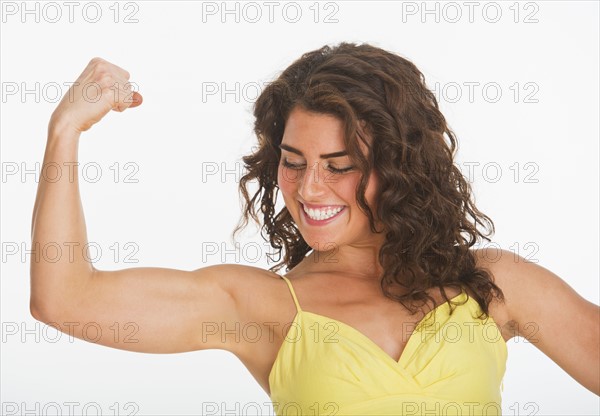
(424, 202)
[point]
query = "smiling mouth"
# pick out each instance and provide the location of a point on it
(314, 216)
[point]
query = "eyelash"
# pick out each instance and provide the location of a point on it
(333, 170)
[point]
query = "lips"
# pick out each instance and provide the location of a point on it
(310, 221)
(314, 206)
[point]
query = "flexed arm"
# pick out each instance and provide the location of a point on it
(166, 310)
(58, 221)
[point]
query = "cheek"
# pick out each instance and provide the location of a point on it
(346, 188)
(285, 180)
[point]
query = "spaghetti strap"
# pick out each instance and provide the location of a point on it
(293, 293)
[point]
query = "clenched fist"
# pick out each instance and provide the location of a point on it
(101, 87)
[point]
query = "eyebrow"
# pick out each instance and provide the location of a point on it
(323, 156)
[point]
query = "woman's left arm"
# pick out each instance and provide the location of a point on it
(550, 314)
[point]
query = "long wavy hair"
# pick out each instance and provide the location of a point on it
(424, 202)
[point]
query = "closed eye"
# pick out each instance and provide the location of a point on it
(340, 171)
(331, 168)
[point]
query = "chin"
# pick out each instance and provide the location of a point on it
(321, 244)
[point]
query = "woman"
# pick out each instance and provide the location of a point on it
(385, 307)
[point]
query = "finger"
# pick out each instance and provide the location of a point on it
(136, 99)
(122, 97)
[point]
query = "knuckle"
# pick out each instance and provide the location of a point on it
(105, 80)
(101, 68)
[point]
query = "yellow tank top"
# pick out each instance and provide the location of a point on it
(454, 366)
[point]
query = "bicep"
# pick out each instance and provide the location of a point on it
(552, 316)
(153, 310)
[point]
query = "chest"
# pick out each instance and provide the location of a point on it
(324, 361)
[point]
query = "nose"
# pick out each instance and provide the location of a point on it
(312, 183)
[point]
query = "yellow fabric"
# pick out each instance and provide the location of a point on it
(453, 367)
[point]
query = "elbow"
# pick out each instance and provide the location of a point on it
(37, 307)
(53, 299)
(41, 312)
(38, 312)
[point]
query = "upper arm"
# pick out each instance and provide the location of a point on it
(551, 315)
(155, 310)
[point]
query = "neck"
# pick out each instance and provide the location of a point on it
(360, 262)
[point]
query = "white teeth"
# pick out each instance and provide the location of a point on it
(322, 214)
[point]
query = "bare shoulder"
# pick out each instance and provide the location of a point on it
(264, 306)
(520, 280)
(543, 308)
(253, 289)
(232, 276)
(528, 288)
(261, 299)
(513, 274)
(498, 263)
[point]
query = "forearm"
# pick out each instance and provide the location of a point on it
(59, 269)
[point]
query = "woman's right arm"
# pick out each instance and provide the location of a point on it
(153, 310)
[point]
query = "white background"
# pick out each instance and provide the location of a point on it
(173, 52)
